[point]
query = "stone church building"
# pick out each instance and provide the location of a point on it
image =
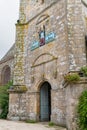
(50, 42)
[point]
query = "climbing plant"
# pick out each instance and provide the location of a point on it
(82, 111)
(4, 100)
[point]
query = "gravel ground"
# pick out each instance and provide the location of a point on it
(16, 125)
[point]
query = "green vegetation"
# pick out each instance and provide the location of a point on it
(82, 111)
(30, 121)
(84, 70)
(4, 100)
(72, 77)
(51, 124)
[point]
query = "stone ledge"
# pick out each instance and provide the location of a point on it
(18, 89)
(83, 80)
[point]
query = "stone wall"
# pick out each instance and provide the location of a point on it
(73, 92)
(55, 51)
(84, 7)
(18, 78)
(58, 107)
(47, 63)
(30, 9)
(17, 106)
(76, 34)
(50, 62)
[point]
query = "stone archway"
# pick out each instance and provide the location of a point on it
(5, 75)
(45, 102)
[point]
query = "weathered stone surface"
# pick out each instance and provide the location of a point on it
(73, 93)
(50, 62)
(7, 62)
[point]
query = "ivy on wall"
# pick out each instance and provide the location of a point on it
(4, 100)
(82, 111)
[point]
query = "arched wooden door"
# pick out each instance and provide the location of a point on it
(45, 102)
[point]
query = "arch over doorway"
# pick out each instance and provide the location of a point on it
(5, 75)
(45, 102)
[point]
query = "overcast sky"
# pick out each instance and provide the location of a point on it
(9, 13)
